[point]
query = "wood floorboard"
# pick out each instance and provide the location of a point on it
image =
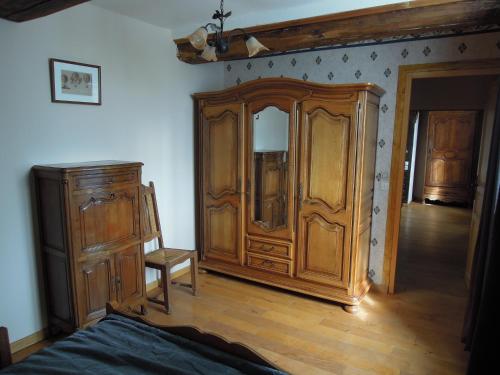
(414, 332)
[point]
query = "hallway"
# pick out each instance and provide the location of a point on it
(432, 249)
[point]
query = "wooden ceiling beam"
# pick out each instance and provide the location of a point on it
(386, 21)
(25, 10)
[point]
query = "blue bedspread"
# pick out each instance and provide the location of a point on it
(118, 345)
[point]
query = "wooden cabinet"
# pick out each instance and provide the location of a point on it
(91, 239)
(451, 148)
(324, 190)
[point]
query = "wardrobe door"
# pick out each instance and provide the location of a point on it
(327, 138)
(270, 158)
(450, 155)
(222, 181)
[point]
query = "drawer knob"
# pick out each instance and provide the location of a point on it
(268, 263)
(264, 248)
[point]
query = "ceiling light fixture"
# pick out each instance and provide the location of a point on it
(220, 45)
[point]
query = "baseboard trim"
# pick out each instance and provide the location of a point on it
(43, 334)
(154, 284)
(32, 339)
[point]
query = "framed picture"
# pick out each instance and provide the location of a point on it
(73, 82)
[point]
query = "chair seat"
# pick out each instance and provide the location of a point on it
(168, 257)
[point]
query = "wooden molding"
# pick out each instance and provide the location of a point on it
(25, 10)
(29, 340)
(407, 73)
(285, 87)
(386, 21)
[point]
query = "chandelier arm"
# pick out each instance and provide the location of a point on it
(212, 25)
(220, 42)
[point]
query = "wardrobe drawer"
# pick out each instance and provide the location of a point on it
(99, 180)
(268, 247)
(274, 265)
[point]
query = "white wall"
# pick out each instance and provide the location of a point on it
(378, 63)
(183, 17)
(146, 115)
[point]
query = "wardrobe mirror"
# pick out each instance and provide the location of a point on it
(270, 166)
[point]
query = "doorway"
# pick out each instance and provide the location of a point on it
(442, 149)
(410, 77)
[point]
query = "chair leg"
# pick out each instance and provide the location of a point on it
(165, 280)
(194, 272)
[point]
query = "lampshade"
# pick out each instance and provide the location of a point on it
(254, 46)
(209, 53)
(198, 39)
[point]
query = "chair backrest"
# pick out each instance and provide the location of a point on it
(151, 227)
(5, 354)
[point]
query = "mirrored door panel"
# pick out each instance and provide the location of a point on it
(270, 168)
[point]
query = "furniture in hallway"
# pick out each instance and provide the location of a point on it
(452, 143)
(91, 242)
(163, 259)
(327, 134)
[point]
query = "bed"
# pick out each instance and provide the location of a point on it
(122, 343)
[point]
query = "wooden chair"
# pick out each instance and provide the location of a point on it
(163, 259)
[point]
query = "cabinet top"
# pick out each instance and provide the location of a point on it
(290, 87)
(88, 165)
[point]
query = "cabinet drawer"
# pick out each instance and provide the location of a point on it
(268, 247)
(274, 265)
(99, 180)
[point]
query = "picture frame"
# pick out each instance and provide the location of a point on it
(75, 82)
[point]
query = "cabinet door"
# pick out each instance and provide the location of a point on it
(129, 274)
(96, 286)
(222, 176)
(106, 219)
(327, 138)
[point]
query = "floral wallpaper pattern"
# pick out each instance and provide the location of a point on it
(376, 62)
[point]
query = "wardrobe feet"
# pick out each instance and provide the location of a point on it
(351, 309)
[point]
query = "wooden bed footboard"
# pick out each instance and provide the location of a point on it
(5, 353)
(189, 332)
(195, 334)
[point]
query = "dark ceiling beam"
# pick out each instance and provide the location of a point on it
(25, 10)
(386, 21)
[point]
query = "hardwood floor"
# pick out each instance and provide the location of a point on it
(416, 331)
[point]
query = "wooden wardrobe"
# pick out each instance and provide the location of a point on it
(327, 134)
(91, 239)
(452, 146)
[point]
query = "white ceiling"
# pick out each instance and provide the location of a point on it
(183, 16)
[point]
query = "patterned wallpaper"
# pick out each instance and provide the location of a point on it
(376, 62)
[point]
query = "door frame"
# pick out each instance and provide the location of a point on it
(407, 73)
